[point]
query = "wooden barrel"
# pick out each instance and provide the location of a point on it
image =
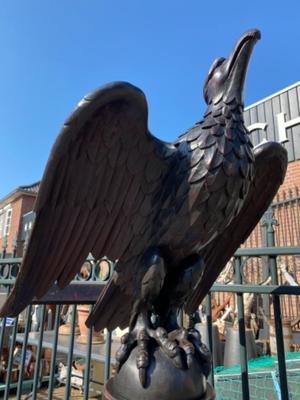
(287, 336)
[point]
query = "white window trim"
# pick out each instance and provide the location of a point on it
(6, 221)
(1, 223)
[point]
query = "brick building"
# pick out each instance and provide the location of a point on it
(277, 117)
(16, 218)
(292, 178)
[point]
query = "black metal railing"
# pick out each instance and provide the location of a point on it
(32, 360)
(270, 253)
(275, 291)
(33, 333)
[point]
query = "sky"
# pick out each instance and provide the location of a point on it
(54, 52)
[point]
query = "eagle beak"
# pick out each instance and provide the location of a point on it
(237, 64)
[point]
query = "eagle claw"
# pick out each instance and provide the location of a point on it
(180, 345)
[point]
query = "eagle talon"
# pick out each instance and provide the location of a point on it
(175, 345)
(142, 359)
(201, 350)
(138, 337)
(169, 346)
(128, 342)
(181, 337)
(125, 338)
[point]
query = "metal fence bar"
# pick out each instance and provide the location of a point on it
(108, 344)
(53, 354)
(88, 364)
(210, 337)
(36, 377)
(268, 251)
(10, 260)
(274, 289)
(280, 345)
(269, 223)
(79, 292)
(107, 356)
(276, 385)
(242, 333)
(23, 355)
(2, 332)
(245, 288)
(70, 354)
(10, 360)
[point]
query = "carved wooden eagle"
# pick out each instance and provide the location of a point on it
(172, 214)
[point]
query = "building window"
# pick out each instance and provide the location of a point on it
(1, 223)
(5, 221)
(27, 225)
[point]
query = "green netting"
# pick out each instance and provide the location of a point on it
(263, 379)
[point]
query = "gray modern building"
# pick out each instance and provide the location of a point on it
(277, 117)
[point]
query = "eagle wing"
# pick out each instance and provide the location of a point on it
(270, 168)
(96, 193)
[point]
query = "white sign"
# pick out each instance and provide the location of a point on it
(282, 126)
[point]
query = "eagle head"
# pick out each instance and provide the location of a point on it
(226, 77)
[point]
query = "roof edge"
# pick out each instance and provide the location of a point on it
(272, 95)
(22, 190)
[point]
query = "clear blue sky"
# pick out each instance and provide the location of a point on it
(53, 52)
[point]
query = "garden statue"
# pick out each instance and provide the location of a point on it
(172, 214)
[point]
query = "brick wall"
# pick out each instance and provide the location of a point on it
(15, 223)
(292, 179)
(288, 228)
(287, 233)
(20, 206)
(27, 206)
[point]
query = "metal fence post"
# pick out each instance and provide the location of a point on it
(269, 222)
(67, 394)
(87, 371)
(53, 353)
(15, 246)
(210, 337)
(38, 366)
(108, 343)
(264, 333)
(242, 331)
(23, 355)
(10, 359)
(4, 247)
